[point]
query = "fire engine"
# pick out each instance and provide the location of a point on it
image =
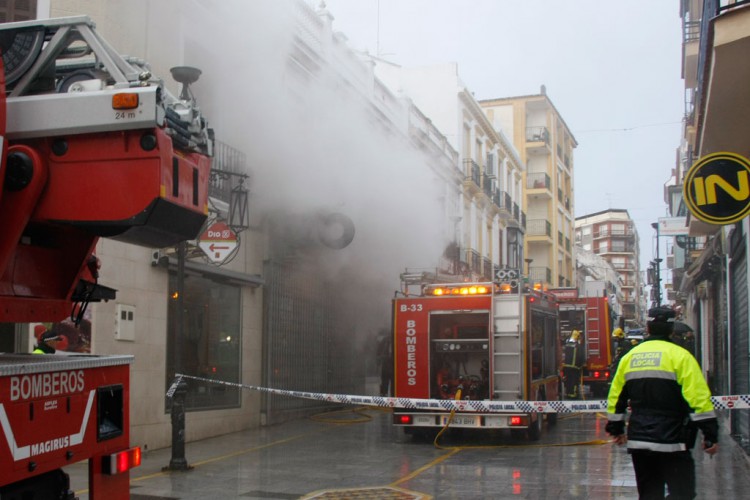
(593, 318)
(93, 145)
(476, 341)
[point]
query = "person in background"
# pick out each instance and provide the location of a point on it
(574, 357)
(48, 343)
(669, 400)
(385, 363)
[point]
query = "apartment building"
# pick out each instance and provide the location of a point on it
(545, 144)
(612, 235)
(490, 219)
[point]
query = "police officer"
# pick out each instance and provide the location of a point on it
(669, 400)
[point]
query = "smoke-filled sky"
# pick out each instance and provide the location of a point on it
(612, 69)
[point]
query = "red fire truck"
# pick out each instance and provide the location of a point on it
(92, 145)
(491, 341)
(593, 318)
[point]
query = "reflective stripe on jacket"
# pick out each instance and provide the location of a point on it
(665, 389)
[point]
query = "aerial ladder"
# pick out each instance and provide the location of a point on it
(93, 145)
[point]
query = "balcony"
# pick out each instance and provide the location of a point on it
(538, 180)
(537, 134)
(540, 274)
(472, 176)
(539, 227)
(474, 260)
(503, 202)
(537, 140)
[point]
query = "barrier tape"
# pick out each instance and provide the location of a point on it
(468, 406)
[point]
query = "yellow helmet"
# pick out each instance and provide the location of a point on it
(617, 332)
(575, 334)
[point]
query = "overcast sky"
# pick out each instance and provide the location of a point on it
(611, 68)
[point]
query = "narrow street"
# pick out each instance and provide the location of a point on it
(359, 454)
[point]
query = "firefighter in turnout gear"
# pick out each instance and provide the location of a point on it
(574, 357)
(669, 400)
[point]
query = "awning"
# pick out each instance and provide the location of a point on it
(215, 273)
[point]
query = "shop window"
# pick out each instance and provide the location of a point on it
(210, 344)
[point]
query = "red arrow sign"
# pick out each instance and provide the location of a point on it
(218, 241)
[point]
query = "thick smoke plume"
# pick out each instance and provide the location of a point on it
(314, 144)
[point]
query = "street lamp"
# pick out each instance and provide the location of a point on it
(657, 266)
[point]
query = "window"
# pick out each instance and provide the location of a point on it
(210, 344)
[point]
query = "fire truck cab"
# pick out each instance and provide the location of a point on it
(475, 341)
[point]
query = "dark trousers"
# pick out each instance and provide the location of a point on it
(654, 470)
(572, 381)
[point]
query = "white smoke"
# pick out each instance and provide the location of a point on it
(314, 143)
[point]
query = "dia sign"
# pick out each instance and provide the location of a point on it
(218, 242)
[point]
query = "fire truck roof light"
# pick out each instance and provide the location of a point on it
(458, 290)
(122, 461)
(125, 100)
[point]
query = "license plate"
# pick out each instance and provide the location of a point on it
(495, 421)
(461, 420)
(423, 420)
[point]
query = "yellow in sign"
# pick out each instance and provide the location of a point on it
(717, 188)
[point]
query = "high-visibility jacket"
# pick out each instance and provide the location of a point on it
(668, 396)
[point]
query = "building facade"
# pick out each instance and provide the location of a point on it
(709, 262)
(613, 235)
(545, 144)
(489, 215)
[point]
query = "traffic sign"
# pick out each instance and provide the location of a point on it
(217, 242)
(717, 188)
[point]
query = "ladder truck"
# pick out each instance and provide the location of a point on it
(476, 341)
(93, 145)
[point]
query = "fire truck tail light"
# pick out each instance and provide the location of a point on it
(597, 374)
(403, 419)
(125, 100)
(517, 420)
(122, 461)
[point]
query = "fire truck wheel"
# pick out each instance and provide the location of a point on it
(534, 431)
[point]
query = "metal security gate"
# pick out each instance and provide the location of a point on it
(739, 348)
(307, 345)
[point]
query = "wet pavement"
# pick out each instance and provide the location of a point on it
(350, 454)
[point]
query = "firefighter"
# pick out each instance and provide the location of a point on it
(618, 337)
(574, 357)
(669, 400)
(48, 343)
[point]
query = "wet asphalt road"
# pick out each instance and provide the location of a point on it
(361, 455)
